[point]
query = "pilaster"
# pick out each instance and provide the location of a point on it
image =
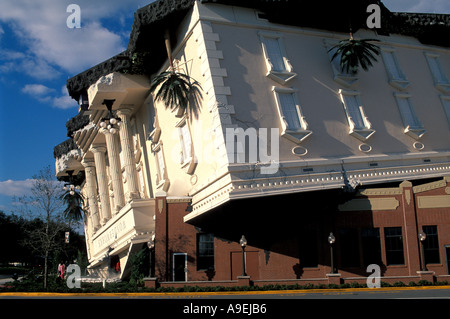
(102, 180)
(214, 85)
(410, 236)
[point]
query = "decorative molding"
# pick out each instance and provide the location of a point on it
(429, 186)
(239, 186)
(178, 199)
(380, 191)
(438, 201)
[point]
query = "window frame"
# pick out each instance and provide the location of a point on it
(431, 246)
(416, 131)
(162, 180)
(388, 242)
(186, 160)
(280, 76)
(401, 82)
(443, 84)
(362, 133)
(294, 135)
(371, 246)
(445, 101)
(205, 256)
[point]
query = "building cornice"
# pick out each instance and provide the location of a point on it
(244, 181)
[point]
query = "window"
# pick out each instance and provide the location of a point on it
(431, 245)
(205, 251)
(445, 100)
(309, 250)
(340, 76)
(396, 77)
(349, 247)
(278, 67)
(161, 174)
(360, 127)
(394, 246)
(371, 247)
(185, 143)
(441, 81)
(186, 158)
(413, 127)
(293, 123)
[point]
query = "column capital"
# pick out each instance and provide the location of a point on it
(88, 162)
(124, 111)
(98, 148)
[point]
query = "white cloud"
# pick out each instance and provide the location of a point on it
(64, 101)
(41, 27)
(48, 95)
(37, 89)
(16, 188)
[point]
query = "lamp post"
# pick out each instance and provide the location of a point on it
(422, 237)
(331, 241)
(243, 243)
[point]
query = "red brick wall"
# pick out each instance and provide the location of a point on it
(273, 250)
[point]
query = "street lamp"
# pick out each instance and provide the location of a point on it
(331, 241)
(70, 186)
(243, 243)
(422, 237)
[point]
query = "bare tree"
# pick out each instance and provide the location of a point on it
(46, 207)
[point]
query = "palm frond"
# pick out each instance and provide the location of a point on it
(174, 89)
(355, 54)
(74, 203)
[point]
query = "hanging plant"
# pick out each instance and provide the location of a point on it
(173, 88)
(355, 54)
(74, 202)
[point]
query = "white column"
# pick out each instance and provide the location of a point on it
(128, 155)
(115, 170)
(102, 180)
(91, 190)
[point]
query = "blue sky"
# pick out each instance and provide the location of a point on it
(38, 53)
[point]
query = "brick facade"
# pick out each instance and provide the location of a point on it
(287, 235)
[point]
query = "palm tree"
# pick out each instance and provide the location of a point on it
(175, 89)
(356, 53)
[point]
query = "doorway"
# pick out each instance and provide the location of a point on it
(179, 267)
(447, 258)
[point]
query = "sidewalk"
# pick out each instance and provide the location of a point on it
(224, 294)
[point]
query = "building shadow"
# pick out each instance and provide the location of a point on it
(292, 231)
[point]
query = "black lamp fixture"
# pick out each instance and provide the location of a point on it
(70, 186)
(110, 122)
